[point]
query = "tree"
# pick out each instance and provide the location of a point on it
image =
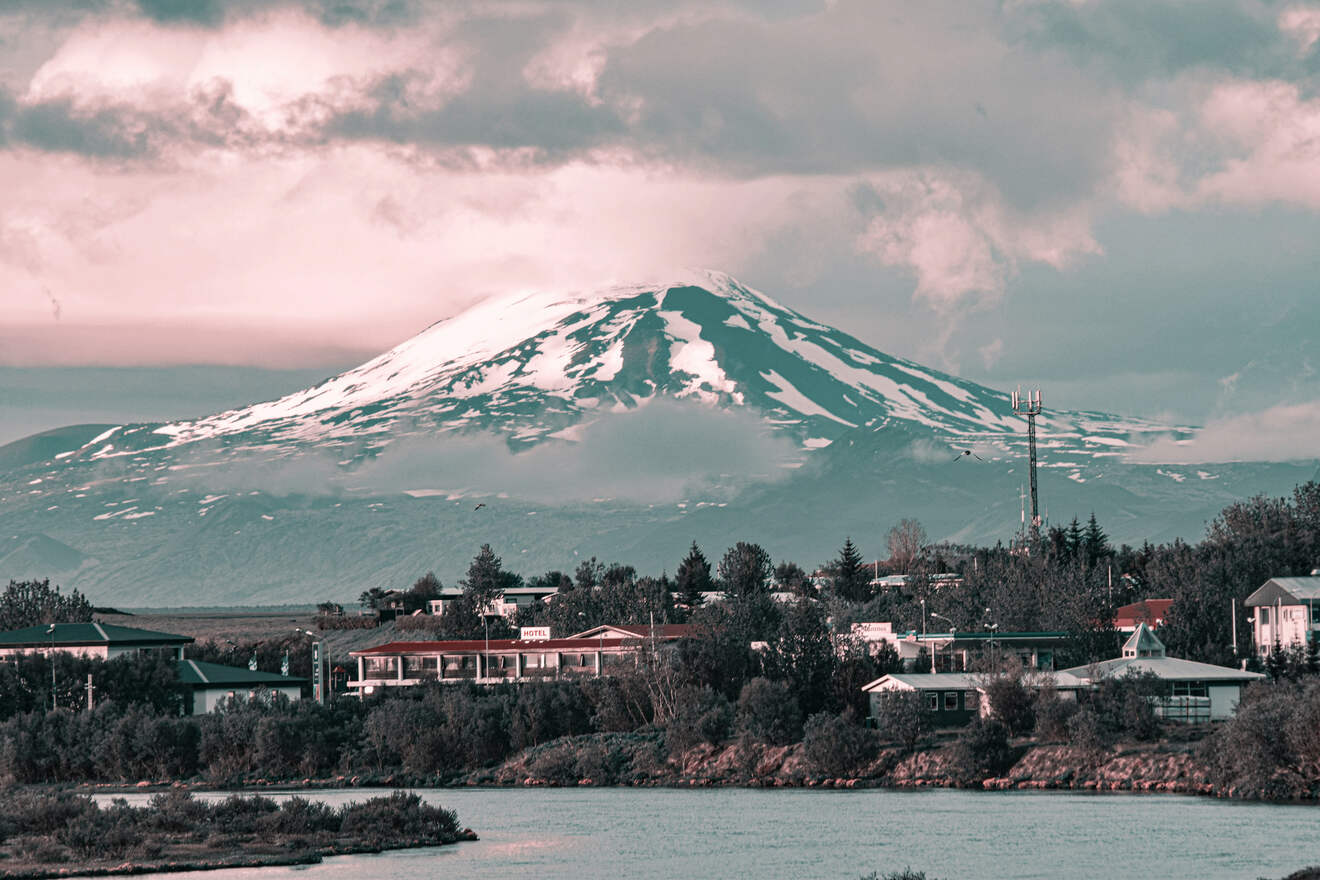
(852, 581)
(906, 540)
(29, 603)
(745, 570)
(426, 588)
(1095, 543)
(768, 712)
(791, 577)
(372, 598)
(802, 654)
(486, 578)
(692, 579)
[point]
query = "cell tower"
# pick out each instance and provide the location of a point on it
(1029, 405)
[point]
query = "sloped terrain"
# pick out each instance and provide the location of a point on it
(620, 423)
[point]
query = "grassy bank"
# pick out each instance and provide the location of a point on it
(54, 833)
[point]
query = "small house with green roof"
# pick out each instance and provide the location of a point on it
(103, 641)
(213, 683)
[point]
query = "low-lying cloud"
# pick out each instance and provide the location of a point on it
(1280, 433)
(662, 452)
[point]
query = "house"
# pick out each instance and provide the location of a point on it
(211, 683)
(1151, 612)
(953, 697)
(1196, 691)
(1285, 612)
(590, 653)
(506, 605)
(102, 641)
(961, 651)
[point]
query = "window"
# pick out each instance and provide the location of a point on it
(1264, 614)
(950, 701)
(1190, 689)
(932, 701)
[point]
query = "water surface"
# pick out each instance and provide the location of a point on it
(784, 834)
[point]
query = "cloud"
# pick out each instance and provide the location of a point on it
(1280, 433)
(662, 452)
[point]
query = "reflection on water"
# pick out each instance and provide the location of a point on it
(658, 834)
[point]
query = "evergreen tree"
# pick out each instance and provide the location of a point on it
(851, 576)
(693, 578)
(1074, 539)
(1095, 543)
(745, 570)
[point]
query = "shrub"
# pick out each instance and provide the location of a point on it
(981, 751)
(1011, 702)
(768, 712)
(835, 745)
(902, 717)
(1053, 715)
(702, 714)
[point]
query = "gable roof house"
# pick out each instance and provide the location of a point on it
(1196, 691)
(103, 641)
(1285, 612)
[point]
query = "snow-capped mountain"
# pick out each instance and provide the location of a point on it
(532, 365)
(282, 501)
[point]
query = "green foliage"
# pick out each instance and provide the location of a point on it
(802, 654)
(1270, 748)
(1011, 701)
(836, 745)
(981, 751)
(902, 717)
(745, 571)
(693, 578)
(768, 712)
(703, 715)
(28, 603)
(852, 579)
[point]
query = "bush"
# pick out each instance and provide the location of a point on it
(902, 717)
(981, 751)
(835, 745)
(768, 712)
(1011, 702)
(1053, 714)
(703, 715)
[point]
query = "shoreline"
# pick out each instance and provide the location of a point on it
(1147, 768)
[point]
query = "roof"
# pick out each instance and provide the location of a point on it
(928, 681)
(81, 634)
(986, 636)
(1288, 590)
(1150, 611)
(1166, 668)
(494, 646)
(640, 631)
(1143, 643)
(197, 673)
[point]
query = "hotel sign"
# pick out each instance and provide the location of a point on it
(534, 633)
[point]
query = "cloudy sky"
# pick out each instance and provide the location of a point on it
(208, 202)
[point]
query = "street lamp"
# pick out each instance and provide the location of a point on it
(51, 632)
(318, 688)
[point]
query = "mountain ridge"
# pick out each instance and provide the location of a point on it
(621, 424)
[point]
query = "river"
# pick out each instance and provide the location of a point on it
(666, 834)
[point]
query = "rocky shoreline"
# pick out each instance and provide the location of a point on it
(637, 760)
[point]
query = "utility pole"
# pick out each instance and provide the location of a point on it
(1030, 406)
(89, 692)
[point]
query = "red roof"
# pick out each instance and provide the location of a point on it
(477, 646)
(1149, 612)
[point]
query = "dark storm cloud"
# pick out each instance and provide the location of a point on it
(107, 130)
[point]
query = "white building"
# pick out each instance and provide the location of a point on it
(213, 683)
(1199, 691)
(506, 605)
(1285, 612)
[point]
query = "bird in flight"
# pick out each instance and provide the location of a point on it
(965, 453)
(479, 506)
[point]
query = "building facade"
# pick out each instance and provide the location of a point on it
(1285, 613)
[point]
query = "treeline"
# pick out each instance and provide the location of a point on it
(43, 828)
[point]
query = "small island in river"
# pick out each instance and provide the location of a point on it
(60, 834)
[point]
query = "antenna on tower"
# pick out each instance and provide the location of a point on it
(1029, 405)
